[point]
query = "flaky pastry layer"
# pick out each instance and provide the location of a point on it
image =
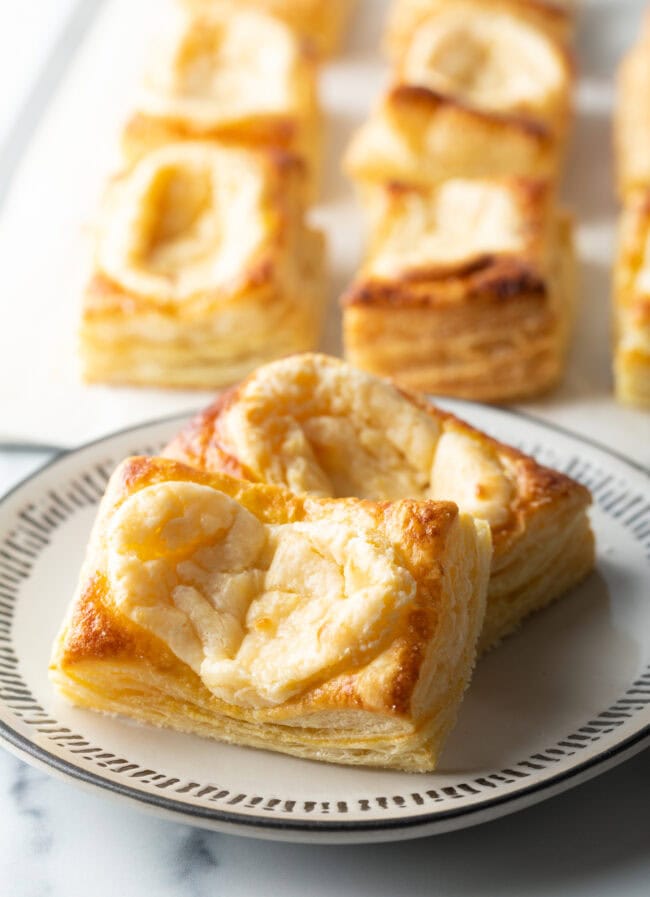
(491, 58)
(632, 116)
(467, 290)
(320, 24)
(632, 303)
(208, 80)
(421, 137)
(204, 267)
(406, 16)
(338, 630)
(318, 426)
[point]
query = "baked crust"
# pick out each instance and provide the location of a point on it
(405, 16)
(320, 25)
(419, 137)
(467, 290)
(316, 425)
(632, 269)
(207, 80)
(337, 630)
(632, 117)
(632, 303)
(494, 58)
(204, 267)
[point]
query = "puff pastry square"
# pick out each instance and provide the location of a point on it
(491, 58)
(421, 137)
(320, 24)
(467, 289)
(318, 426)
(239, 77)
(405, 17)
(204, 267)
(632, 303)
(632, 116)
(335, 630)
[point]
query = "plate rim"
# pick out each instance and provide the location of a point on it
(426, 823)
(513, 801)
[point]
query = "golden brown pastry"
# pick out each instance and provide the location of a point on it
(491, 58)
(632, 270)
(335, 630)
(553, 18)
(419, 137)
(632, 302)
(467, 289)
(632, 126)
(210, 80)
(316, 425)
(204, 267)
(320, 23)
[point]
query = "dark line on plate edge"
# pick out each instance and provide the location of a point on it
(75, 773)
(69, 770)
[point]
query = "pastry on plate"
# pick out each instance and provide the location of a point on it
(204, 267)
(405, 17)
(632, 303)
(242, 78)
(467, 289)
(320, 23)
(337, 630)
(420, 137)
(632, 116)
(492, 59)
(316, 425)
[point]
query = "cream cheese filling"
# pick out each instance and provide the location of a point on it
(187, 220)
(462, 220)
(328, 429)
(488, 59)
(210, 71)
(260, 612)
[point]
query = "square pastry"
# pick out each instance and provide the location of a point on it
(422, 137)
(317, 426)
(491, 58)
(239, 77)
(632, 303)
(405, 16)
(319, 24)
(337, 630)
(204, 267)
(467, 289)
(632, 116)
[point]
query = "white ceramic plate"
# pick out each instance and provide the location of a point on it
(563, 700)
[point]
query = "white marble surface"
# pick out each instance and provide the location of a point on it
(57, 840)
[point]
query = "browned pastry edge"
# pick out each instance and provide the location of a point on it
(490, 278)
(143, 133)
(410, 95)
